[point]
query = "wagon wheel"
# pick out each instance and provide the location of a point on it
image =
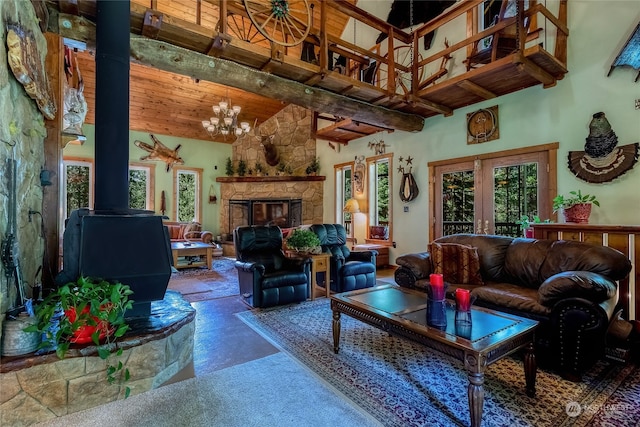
(242, 28)
(285, 22)
(402, 55)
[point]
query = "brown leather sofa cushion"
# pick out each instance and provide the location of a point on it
(575, 284)
(418, 263)
(567, 255)
(523, 261)
(512, 296)
(457, 263)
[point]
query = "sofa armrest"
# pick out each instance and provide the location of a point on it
(419, 264)
(297, 264)
(580, 328)
(206, 236)
(576, 284)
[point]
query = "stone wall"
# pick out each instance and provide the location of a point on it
(22, 135)
(294, 140)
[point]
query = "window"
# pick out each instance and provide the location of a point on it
(187, 185)
(379, 196)
(489, 193)
(77, 184)
(344, 190)
(141, 186)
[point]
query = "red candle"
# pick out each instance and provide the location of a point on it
(437, 286)
(463, 299)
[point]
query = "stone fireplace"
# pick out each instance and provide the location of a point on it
(296, 147)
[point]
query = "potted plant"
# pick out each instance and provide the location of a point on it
(259, 167)
(242, 168)
(525, 224)
(313, 168)
(85, 311)
(302, 240)
(229, 167)
(576, 207)
(281, 168)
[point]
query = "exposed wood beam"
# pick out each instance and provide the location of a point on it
(177, 60)
(476, 89)
(534, 71)
(430, 105)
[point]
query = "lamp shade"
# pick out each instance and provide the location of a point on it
(352, 206)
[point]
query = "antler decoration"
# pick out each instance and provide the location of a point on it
(377, 146)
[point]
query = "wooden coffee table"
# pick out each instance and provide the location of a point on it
(183, 249)
(402, 311)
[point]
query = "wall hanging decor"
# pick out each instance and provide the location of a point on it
(358, 175)
(408, 185)
(629, 55)
(378, 147)
(212, 195)
(482, 125)
(159, 151)
(28, 68)
(601, 160)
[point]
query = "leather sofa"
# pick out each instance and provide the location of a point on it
(570, 287)
(181, 231)
(265, 275)
(350, 270)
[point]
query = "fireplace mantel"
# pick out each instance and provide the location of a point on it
(269, 178)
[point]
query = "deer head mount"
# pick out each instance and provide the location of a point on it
(268, 143)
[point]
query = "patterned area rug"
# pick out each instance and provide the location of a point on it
(402, 383)
(200, 283)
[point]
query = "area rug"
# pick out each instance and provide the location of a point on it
(201, 283)
(402, 383)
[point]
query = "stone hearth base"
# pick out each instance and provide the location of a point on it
(157, 350)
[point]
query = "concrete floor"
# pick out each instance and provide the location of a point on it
(223, 340)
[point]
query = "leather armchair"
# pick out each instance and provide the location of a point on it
(349, 269)
(266, 276)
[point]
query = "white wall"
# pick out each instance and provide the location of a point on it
(534, 116)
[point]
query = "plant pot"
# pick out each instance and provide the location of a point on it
(83, 334)
(528, 232)
(578, 213)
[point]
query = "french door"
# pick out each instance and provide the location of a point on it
(489, 195)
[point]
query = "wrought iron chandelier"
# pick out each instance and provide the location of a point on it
(225, 121)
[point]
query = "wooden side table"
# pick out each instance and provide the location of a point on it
(382, 260)
(320, 264)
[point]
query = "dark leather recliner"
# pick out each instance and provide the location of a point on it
(267, 277)
(350, 270)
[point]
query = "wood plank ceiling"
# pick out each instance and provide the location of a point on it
(173, 104)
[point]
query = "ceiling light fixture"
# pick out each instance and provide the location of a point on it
(225, 121)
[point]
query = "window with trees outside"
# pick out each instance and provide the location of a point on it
(77, 184)
(379, 196)
(344, 190)
(187, 194)
(141, 186)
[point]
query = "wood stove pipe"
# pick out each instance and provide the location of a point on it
(112, 106)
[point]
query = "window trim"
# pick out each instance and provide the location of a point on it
(198, 200)
(371, 188)
(338, 171)
(150, 168)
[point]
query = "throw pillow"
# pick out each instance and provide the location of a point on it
(458, 264)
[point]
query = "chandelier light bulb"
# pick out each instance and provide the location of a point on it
(238, 131)
(228, 121)
(244, 126)
(216, 109)
(215, 121)
(223, 105)
(206, 124)
(236, 109)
